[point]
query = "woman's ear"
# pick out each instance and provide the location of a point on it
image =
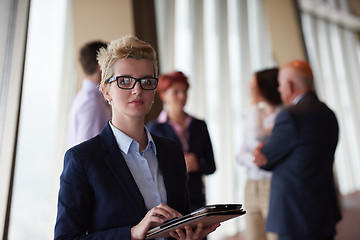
(105, 92)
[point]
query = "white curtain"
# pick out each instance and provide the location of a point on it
(218, 45)
(332, 45)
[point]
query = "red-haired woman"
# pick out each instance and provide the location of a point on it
(191, 133)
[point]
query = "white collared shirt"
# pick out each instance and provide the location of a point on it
(143, 166)
(254, 134)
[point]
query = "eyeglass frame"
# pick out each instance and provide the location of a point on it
(136, 80)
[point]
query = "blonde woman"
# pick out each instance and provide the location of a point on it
(124, 181)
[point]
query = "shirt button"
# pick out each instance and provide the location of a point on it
(142, 161)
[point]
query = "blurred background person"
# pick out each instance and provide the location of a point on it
(191, 133)
(89, 112)
(265, 105)
(300, 153)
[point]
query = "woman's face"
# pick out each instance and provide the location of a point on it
(254, 90)
(175, 96)
(253, 84)
(134, 102)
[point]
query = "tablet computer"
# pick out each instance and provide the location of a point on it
(208, 215)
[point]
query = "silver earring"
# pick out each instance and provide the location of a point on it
(108, 101)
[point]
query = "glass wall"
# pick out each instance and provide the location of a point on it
(13, 26)
(40, 145)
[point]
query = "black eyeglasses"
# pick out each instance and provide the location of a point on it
(125, 82)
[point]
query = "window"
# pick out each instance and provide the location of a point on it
(40, 144)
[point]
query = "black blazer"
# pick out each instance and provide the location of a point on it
(200, 145)
(300, 151)
(98, 197)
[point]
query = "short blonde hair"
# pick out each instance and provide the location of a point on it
(125, 47)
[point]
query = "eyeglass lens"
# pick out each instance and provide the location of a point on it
(147, 83)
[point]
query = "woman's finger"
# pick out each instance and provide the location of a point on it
(189, 232)
(166, 211)
(180, 233)
(174, 235)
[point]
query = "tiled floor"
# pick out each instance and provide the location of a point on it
(348, 228)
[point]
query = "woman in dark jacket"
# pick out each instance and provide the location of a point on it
(121, 183)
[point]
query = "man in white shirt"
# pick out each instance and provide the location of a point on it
(89, 112)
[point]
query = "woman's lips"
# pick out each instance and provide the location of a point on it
(137, 102)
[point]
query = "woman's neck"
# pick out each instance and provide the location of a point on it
(133, 128)
(177, 116)
(269, 109)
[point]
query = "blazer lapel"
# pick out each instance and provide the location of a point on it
(119, 168)
(171, 133)
(167, 170)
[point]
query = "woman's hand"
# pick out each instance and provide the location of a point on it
(198, 233)
(154, 217)
(192, 163)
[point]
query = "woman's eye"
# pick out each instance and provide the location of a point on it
(145, 82)
(125, 81)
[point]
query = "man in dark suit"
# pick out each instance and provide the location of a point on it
(300, 152)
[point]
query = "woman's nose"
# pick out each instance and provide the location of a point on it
(137, 88)
(183, 95)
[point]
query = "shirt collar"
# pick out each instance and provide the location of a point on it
(125, 142)
(298, 99)
(89, 84)
(162, 118)
(151, 143)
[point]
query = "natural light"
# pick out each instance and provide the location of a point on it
(34, 204)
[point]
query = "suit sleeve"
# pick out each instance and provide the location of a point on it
(75, 205)
(281, 142)
(206, 156)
